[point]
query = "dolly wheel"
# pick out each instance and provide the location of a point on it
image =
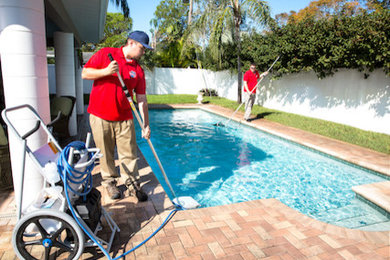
(48, 234)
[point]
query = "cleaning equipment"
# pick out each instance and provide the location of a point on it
(45, 227)
(185, 202)
(87, 205)
(230, 118)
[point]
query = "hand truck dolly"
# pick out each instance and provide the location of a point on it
(46, 229)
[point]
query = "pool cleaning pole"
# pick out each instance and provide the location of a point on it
(124, 88)
(250, 92)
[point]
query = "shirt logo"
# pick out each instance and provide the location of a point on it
(133, 74)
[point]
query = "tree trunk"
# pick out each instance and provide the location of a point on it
(237, 23)
(190, 13)
(239, 79)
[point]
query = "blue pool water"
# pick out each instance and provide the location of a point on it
(223, 165)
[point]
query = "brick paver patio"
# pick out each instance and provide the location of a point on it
(265, 229)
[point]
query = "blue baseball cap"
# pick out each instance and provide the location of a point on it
(140, 37)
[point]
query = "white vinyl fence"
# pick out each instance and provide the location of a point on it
(346, 97)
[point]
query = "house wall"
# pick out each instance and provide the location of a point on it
(346, 97)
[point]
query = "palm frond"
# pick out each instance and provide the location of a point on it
(258, 10)
(123, 5)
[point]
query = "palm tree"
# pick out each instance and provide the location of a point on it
(123, 5)
(190, 12)
(220, 18)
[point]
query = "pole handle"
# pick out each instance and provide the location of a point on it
(124, 88)
(273, 63)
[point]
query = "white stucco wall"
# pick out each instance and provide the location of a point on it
(190, 81)
(185, 81)
(345, 98)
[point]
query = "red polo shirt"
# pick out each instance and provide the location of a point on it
(251, 79)
(107, 99)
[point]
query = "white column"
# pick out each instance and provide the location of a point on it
(79, 86)
(24, 68)
(65, 71)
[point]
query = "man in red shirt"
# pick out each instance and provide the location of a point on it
(111, 118)
(251, 78)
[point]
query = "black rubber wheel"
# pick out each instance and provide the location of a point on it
(47, 234)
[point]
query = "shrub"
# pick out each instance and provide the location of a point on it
(209, 92)
(324, 45)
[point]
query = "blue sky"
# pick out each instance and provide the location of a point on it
(142, 11)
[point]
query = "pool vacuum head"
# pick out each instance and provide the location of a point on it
(186, 202)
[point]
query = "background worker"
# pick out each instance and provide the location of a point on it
(111, 118)
(251, 78)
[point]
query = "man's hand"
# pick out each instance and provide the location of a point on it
(143, 109)
(93, 74)
(246, 86)
(112, 68)
(146, 132)
(264, 74)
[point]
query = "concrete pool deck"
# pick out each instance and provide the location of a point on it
(265, 229)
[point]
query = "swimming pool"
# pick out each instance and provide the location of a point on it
(223, 165)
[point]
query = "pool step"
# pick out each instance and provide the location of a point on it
(377, 193)
(377, 227)
(366, 221)
(357, 215)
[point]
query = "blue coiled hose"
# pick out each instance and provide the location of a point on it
(67, 172)
(69, 176)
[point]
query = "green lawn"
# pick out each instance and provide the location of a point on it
(371, 140)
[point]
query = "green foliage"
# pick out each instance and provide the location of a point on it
(227, 60)
(172, 99)
(116, 30)
(148, 60)
(51, 60)
(169, 28)
(115, 34)
(221, 22)
(123, 5)
(174, 55)
(325, 45)
(209, 92)
(170, 20)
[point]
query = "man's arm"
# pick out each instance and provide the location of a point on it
(143, 109)
(246, 86)
(262, 75)
(92, 73)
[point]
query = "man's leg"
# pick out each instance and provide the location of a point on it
(127, 153)
(248, 105)
(104, 138)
